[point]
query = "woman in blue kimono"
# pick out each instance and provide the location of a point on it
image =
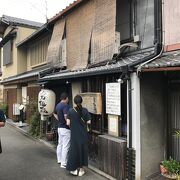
(78, 118)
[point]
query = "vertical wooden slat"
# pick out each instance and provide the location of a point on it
(112, 156)
(10, 99)
(174, 123)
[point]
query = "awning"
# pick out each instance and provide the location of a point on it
(167, 62)
(23, 77)
(101, 70)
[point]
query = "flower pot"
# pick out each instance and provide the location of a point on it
(170, 176)
(163, 170)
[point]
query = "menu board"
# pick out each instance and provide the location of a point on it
(93, 102)
(113, 98)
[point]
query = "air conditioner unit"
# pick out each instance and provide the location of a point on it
(117, 43)
(16, 110)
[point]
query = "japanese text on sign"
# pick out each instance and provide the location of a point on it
(113, 98)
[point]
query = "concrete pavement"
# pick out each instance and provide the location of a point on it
(25, 158)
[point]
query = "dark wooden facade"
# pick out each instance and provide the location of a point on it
(10, 97)
(112, 156)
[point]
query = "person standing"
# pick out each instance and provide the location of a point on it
(60, 114)
(2, 124)
(2, 119)
(78, 118)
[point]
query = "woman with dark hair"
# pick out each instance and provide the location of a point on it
(78, 118)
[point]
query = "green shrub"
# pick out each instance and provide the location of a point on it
(172, 166)
(34, 119)
(35, 125)
(177, 132)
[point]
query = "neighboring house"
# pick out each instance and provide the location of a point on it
(35, 48)
(13, 30)
(158, 92)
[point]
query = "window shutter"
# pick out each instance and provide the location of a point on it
(79, 29)
(7, 53)
(54, 57)
(103, 36)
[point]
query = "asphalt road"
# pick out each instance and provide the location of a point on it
(24, 158)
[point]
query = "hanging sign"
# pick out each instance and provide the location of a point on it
(93, 102)
(46, 102)
(113, 98)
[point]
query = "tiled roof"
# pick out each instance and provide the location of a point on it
(109, 68)
(170, 59)
(106, 69)
(24, 75)
(19, 21)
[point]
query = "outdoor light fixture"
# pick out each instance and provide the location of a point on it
(119, 80)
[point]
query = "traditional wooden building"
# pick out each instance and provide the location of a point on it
(14, 30)
(115, 55)
(101, 44)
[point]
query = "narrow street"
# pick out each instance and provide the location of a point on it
(24, 158)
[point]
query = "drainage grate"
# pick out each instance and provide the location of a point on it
(156, 176)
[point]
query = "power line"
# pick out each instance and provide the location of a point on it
(35, 6)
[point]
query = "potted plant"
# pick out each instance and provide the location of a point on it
(170, 169)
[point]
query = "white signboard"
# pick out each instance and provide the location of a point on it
(113, 125)
(113, 98)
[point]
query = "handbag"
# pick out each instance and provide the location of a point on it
(83, 121)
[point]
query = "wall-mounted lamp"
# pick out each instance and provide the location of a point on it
(119, 80)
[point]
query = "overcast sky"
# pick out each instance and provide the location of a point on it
(34, 10)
